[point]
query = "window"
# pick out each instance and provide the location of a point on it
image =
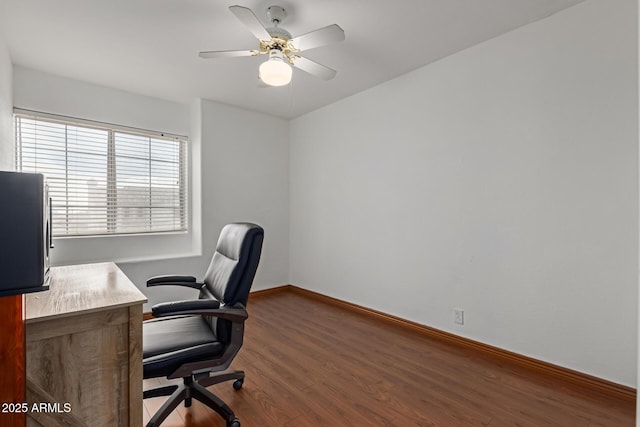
(105, 179)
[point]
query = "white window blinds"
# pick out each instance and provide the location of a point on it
(105, 179)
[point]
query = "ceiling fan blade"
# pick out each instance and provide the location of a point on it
(249, 19)
(314, 68)
(323, 36)
(227, 53)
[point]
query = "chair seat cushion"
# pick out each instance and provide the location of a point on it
(169, 342)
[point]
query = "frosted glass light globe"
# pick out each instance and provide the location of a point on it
(275, 71)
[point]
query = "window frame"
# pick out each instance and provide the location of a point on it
(111, 229)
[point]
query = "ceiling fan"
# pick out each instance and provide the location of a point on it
(282, 49)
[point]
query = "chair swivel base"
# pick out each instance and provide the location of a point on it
(190, 389)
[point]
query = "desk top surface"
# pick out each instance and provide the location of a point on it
(85, 288)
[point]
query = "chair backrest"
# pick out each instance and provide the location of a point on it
(234, 263)
(232, 269)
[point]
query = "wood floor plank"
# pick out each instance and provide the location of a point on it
(308, 363)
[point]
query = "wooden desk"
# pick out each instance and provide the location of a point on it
(84, 348)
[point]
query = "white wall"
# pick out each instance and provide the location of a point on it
(239, 172)
(6, 109)
(638, 351)
(245, 171)
(502, 180)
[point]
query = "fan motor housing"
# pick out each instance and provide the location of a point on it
(279, 32)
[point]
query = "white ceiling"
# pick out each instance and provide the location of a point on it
(151, 47)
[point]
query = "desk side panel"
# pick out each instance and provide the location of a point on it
(83, 362)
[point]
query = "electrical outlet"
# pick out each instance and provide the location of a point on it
(458, 316)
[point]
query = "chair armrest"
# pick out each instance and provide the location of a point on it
(169, 308)
(188, 281)
(236, 314)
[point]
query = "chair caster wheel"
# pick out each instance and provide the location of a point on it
(237, 385)
(234, 423)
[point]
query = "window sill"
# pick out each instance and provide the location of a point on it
(157, 257)
(130, 248)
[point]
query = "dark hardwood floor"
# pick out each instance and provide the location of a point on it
(313, 364)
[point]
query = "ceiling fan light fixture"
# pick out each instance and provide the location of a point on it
(283, 49)
(275, 71)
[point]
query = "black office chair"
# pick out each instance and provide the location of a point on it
(196, 340)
